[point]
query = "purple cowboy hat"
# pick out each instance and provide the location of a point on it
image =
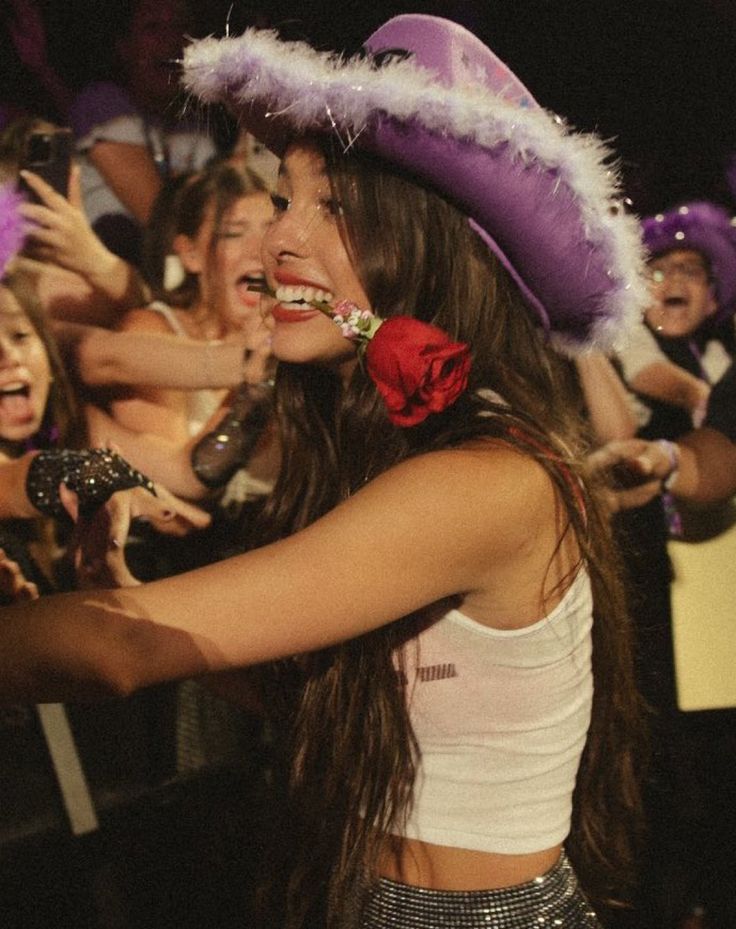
(12, 225)
(705, 228)
(429, 97)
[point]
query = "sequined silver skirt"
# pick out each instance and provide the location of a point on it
(552, 900)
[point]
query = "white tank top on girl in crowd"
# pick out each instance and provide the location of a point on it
(501, 718)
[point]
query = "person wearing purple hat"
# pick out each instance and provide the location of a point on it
(433, 569)
(692, 269)
(697, 241)
(689, 324)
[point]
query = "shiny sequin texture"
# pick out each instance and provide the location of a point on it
(552, 901)
(229, 446)
(94, 475)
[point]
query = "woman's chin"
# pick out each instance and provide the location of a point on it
(17, 434)
(297, 349)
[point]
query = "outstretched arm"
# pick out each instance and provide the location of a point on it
(669, 383)
(165, 460)
(699, 469)
(14, 504)
(707, 470)
(422, 532)
(30, 487)
(104, 358)
(239, 434)
(607, 401)
(647, 370)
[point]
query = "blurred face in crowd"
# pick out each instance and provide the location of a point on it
(228, 261)
(151, 47)
(682, 291)
(25, 372)
(306, 260)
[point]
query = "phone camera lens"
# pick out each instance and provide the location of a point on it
(39, 149)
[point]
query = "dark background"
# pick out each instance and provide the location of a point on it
(656, 77)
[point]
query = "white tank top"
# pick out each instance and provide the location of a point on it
(501, 718)
(201, 404)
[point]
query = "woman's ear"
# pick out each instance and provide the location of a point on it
(189, 253)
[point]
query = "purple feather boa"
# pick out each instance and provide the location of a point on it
(12, 225)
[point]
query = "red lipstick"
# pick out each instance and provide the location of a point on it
(282, 315)
(282, 276)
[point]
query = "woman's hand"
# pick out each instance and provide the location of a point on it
(60, 232)
(631, 471)
(98, 545)
(14, 586)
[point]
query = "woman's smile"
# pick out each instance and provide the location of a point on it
(307, 263)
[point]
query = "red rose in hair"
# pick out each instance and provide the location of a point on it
(417, 369)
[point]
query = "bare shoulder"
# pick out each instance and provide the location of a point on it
(487, 496)
(144, 319)
(486, 474)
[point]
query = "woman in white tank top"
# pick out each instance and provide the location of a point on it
(434, 592)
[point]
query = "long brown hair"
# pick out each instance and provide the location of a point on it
(182, 208)
(354, 755)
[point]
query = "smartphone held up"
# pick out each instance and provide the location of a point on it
(49, 155)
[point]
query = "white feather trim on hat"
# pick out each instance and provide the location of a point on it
(322, 90)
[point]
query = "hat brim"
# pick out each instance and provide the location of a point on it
(543, 198)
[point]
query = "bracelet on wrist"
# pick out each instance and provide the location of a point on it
(672, 450)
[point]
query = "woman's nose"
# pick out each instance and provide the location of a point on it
(289, 234)
(281, 240)
(9, 352)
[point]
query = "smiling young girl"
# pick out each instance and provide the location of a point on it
(434, 573)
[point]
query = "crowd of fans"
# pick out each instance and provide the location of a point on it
(130, 322)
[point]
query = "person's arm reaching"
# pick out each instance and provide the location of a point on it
(313, 589)
(699, 469)
(647, 370)
(131, 174)
(102, 358)
(192, 468)
(607, 401)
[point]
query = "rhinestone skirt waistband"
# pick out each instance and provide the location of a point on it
(552, 901)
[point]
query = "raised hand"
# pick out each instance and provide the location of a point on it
(631, 472)
(97, 548)
(60, 232)
(14, 586)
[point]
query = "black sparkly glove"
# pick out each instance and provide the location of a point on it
(220, 453)
(94, 475)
